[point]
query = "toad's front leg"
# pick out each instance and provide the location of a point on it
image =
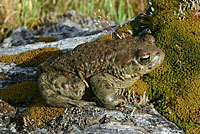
(105, 88)
(62, 91)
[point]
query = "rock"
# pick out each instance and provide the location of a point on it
(61, 44)
(7, 112)
(7, 42)
(71, 25)
(17, 75)
(5, 67)
(92, 119)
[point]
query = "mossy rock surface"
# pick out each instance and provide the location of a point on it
(39, 113)
(27, 94)
(33, 24)
(176, 91)
(22, 93)
(139, 87)
(47, 39)
(33, 57)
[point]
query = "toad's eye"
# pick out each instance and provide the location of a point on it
(144, 58)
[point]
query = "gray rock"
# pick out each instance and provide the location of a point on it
(7, 112)
(16, 75)
(7, 42)
(64, 44)
(92, 119)
(5, 67)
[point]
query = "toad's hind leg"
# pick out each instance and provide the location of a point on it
(105, 88)
(62, 91)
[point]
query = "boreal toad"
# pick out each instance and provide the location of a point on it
(103, 66)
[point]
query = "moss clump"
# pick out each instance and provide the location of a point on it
(139, 87)
(22, 93)
(38, 114)
(33, 24)
(31, 58)
(187, 103)
(106, 37)
(47, 39)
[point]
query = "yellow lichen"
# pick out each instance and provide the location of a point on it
(6, 109)
(139, 87)
(106, 37)
(193, 130)
(2, 78)
(27, 93)
(33, 24)
(47, 39)
(21, 93)
(38, 114)
(31, 58)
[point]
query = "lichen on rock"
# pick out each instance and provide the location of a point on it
(177, 87)
(32, 57)
(39, 113)
(47, 39)
(22, 93)
(27, 93)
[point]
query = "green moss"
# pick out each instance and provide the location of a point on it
(188, 108)
(22, 93)
(106, 37)
(31, 58)
(193, 129)
(38, 114)
(139, 87)
(174, 88)
(47, 39)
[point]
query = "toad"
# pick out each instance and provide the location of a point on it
(103, 66)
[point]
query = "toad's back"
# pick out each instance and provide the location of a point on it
(95, 55)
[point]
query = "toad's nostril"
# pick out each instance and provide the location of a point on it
(149, 68)
(158, 53)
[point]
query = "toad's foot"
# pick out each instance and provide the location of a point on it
(105, 89)
(62, 101)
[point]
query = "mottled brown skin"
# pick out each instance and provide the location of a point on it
(104, 66)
